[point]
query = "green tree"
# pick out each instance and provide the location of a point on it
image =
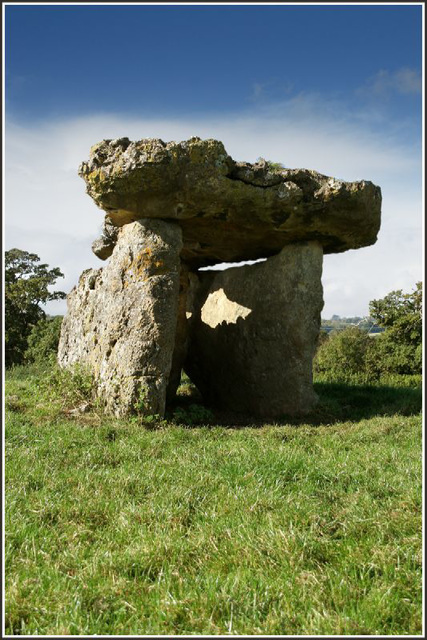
(401, 312)
(26, 288)
(399, 348)
(43, 339)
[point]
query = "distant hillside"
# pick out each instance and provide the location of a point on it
(336, 323)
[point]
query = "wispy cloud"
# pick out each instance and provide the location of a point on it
(257, 90)
(49, 213)
(385, 83)
(272, 89)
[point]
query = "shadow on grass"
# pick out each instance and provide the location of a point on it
(343, 401)
(338, 402)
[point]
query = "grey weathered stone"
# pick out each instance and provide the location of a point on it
(228, 211)
(254, 331)
(122, 319)
(103, 246)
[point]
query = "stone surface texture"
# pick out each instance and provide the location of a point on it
(104, 245)
(228, 211)
(254, 331)
(122, 319)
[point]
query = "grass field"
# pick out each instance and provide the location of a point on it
(300, 527)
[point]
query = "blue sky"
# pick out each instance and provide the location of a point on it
(334, 88)
(67, 60)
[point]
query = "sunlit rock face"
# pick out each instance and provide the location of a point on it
(218, 309)
(228, 211)
(254, 331)
(121, 320)
(246, 336)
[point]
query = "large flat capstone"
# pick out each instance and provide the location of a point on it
(227, 210)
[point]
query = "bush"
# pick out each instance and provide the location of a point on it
(43, 340)
(71, 386)
(389, 356)
(399, 348)
(275, 167)
(351, 354)
(343, 355)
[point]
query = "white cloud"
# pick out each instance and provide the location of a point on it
(257, 90)
(49, 213)
(385, 82)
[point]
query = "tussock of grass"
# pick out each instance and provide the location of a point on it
(113, 528)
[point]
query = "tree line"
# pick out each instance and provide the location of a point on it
(397, 350)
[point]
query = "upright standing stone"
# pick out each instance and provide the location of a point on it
(254, 331)
(122, 319)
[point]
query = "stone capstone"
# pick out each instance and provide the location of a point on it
(122, 319)
(228, 211)
(254, 331)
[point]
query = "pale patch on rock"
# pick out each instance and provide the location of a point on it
(218, 306)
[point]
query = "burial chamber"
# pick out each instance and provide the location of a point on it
(246, 336)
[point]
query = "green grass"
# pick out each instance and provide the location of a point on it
(115, 527)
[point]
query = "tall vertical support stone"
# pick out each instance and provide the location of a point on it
(254, 331)
(122, 320)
